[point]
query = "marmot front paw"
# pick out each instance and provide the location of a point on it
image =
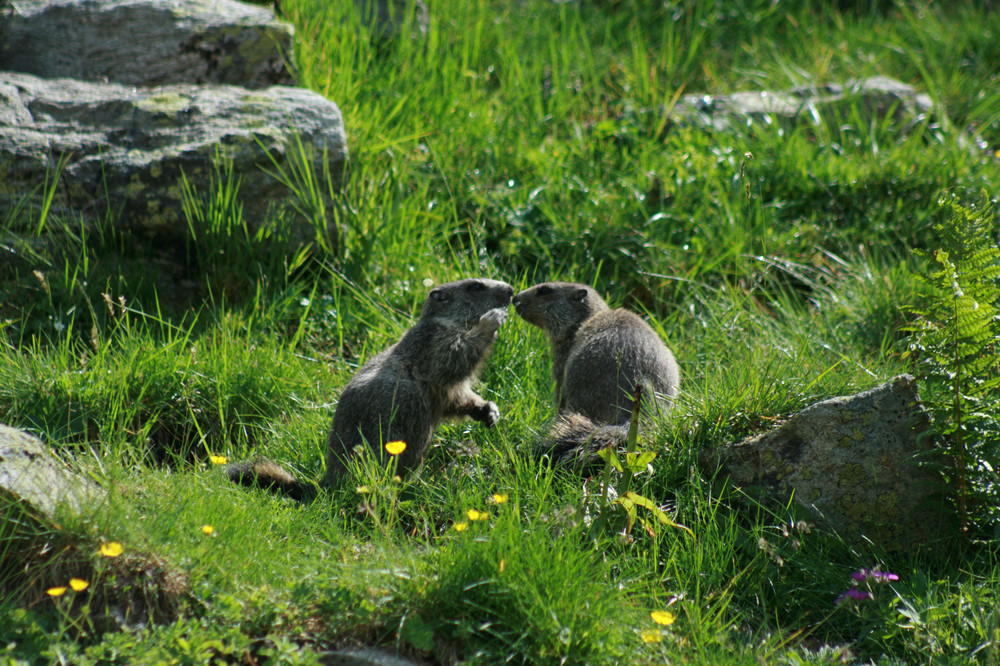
(493, 320)
(488, 413)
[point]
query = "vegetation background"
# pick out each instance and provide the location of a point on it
(524, 141)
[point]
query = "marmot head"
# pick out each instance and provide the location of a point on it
(558, 308)
(465, 301)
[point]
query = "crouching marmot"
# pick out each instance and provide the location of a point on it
(405, 391)
(599, 357)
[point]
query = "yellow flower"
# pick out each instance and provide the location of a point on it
(362, 490)
(78, 584)
(500, 498)
(56, 591)
(652, 636)
(395, 448)
(663, 617)
(218, 460)
(111, 549)
(460, 527)
(207, 530)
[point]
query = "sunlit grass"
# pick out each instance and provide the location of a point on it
(524, 141)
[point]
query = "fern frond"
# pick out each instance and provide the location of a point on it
(955, 342)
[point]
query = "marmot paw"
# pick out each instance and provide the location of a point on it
(493, 319)
(488, 413)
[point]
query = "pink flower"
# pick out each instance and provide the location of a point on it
(875, 575)
(853, 593)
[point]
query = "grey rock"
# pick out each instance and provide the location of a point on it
(149, 42)
(124, 149)
(32, 477)
(366, 656)
(852, 463)
(864, 100)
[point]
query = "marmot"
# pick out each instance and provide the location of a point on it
(405, 391)
(599, 357)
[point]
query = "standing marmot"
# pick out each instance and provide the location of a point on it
(599, 356)
(405, 391)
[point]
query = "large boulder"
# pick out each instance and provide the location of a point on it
(852, 462)
(148, 42)
(124, 149)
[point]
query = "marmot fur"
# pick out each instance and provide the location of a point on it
(599, 357)
(405, 391)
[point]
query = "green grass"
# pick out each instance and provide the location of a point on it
(523, 141)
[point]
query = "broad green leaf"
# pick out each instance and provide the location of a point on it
(636, 462)
(609, 456)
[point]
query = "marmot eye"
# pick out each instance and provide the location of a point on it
(477, 286)
(544, 290)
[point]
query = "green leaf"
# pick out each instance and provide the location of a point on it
(637, 462)
(609, 456)
(630, 511)
(648, 504)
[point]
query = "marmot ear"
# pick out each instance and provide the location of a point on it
(580, 295)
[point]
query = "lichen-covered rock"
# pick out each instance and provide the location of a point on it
(149, 42)
(865, 100)
(124, 149)
(852, 462)
(31, 476)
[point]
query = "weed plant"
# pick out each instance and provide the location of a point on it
(524, 141)
(955, 342)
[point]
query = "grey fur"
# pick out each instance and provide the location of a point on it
(405, 391)
(574, 440)
(599, 356)
(425, 378)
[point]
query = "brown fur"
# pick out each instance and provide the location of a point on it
(599, 356)
(271, 476)
(405, 391)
